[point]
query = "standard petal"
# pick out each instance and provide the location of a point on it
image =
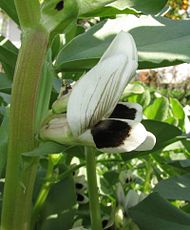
(96, 94)
(117, 135)
(148, 144)
(122, 44)
(126, 110)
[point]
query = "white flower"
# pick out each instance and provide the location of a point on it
(130, 200)
(93, 114)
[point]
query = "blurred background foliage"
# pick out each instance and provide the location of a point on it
(134, 186)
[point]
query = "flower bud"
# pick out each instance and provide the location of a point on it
(60, 105)
(57, 129)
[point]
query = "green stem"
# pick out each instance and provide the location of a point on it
(20, 172)
(93, 189)
(28, 13)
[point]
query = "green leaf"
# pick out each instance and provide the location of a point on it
(126, 7)
(186, 143)
(3, 142)
(142, 99)
(146, 6)
(183, 165)
(178, 112)
(156, 213)
(175, 188)
(45, 85)
(58, 212)
(89, 8)
(46, 148)
(5, 97)
(158, 110)
(8, 56)
(84, 51)
(57, 15)
(9, 7)
(164, 132)
(5, 83)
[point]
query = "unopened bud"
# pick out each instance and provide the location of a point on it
(119, 218)
(57, 129)
(60, 105)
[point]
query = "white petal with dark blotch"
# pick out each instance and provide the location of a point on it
(148, 144)
(96, 94)
(116, 135)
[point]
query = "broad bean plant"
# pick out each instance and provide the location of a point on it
(83, 145)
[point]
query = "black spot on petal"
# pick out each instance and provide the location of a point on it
(60, 5)
(78, 185)
(80, 197)
(124, 112)
(104, 223)
(110, 133)
(127, 180)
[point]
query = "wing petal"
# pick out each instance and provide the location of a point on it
(115, 135)
(148, 144)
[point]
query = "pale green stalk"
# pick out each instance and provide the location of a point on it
(20, 175)
(96, 223)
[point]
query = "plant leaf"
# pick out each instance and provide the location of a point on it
(46, 148)
(8, 56)
(84, 51)
(9, 7)
(124, 7)
(3, 142)
(156, 213)
(175, 188)
(158, 110)
(58, 211)
(5, 83)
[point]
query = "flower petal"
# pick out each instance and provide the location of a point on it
(122, 44)
(115, 135)
(126, 110)
(148, 144)
(96, 94)
(132, 199)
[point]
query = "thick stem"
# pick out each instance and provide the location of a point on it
(20, 173)
(95, 216)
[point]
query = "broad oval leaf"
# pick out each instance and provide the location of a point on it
(103, 8)
(175, 188)
(157, 41)
(156, 213)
